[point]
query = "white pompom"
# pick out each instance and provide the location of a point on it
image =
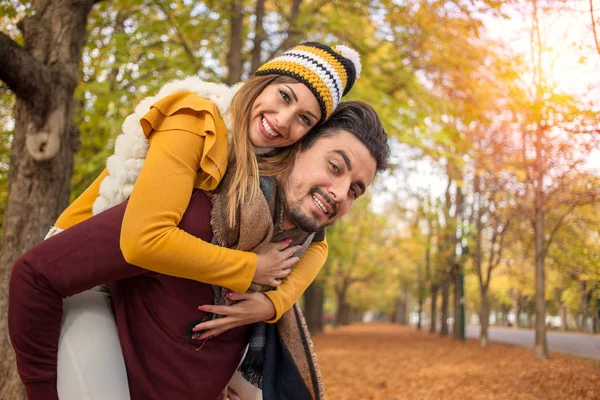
(351, 55)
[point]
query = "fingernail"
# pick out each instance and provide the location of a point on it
(288, 241)
(195, 329)
(201, 308)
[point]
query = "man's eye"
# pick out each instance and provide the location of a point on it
(285, 96)
(334, 167)
(354, 192)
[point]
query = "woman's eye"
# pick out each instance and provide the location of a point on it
(305, 119)
(285, 96)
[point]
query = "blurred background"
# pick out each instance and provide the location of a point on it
(489, 215)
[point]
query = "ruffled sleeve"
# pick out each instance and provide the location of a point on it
(182, 111)
(188, 140)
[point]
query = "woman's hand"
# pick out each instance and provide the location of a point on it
(275, 261)
(250, 308)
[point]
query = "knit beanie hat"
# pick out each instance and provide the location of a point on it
(328, 72)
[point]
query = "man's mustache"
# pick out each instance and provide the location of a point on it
(328, 199)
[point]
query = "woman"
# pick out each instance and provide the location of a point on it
(188, 126)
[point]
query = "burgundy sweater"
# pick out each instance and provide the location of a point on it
(153, 311)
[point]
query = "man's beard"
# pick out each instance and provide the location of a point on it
(302, 220)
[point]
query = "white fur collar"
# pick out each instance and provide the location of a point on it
(131, 146)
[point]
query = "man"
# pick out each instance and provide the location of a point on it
(332, 167)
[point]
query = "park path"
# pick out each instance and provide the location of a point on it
(380, 361)
(577, 344)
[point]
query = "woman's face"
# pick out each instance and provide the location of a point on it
(282, 114)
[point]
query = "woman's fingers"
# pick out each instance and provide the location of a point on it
(275, 282)
(283, 273)
(289, 252)
(282, 245)
(289, 263)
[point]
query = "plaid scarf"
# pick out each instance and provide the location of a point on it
(274, 349)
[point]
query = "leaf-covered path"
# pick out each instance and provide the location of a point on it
(383, 361)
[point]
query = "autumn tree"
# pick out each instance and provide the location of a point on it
(557, 133)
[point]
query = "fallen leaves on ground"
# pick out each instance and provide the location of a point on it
(384, 361)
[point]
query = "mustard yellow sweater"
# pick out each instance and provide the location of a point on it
(188, 149)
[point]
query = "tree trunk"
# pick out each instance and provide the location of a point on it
(529, 318)
(259, 35)
(519, 312)
(595, 316)
(541, 344)
(457, 326)
(43, 74)
(341, 311)
(293, 33)
(234, 57)
(419, 318)
(484, 317)
(314, 299)
(563, 317)
(401, 313)
(434, 296)
(345, 312)
(445, 306)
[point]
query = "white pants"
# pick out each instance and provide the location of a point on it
(90, 359)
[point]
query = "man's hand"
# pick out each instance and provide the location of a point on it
(250, 308)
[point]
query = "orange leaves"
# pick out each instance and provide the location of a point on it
(386, 362)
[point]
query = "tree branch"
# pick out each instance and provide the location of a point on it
(594, 26)
(292, 31)
(23, 74)
(182, 39)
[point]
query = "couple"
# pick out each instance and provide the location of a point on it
(224, 233)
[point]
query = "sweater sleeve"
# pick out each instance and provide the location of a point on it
(302, 275)
(185, 132)
(81, 257)
(81, 208)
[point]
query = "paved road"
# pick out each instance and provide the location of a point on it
(581, 345)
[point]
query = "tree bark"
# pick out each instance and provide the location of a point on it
(484, 318)
(456, 327)
(434, 296)
(259, 35)
(314, 299)
(234, 57)
(541, 344)
(341, 311)
(420, 311)
(401, 312)
(563, 317)
(529, 318)
(43, 74)
(445, 306)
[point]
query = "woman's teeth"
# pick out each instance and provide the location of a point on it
(268, 128)
(319, 204)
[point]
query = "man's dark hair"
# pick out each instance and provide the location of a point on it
(359, 119)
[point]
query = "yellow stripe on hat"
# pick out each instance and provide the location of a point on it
(311, 77)
(329, 58)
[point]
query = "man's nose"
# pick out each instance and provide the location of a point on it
(339, 191)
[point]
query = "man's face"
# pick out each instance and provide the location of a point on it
(325, 180)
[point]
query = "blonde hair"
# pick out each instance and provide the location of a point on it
(242, 178)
